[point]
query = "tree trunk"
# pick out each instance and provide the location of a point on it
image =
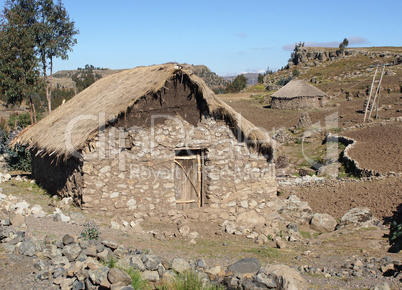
(31, 110)
(49, 100)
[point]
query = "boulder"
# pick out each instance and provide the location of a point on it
(71, 251)
(323, 223)
(27, 248)
(116, 275)
(16, 219)
(246, 266)
(296, 210)
(67, 239)
(285, 277)
(180, 265)
(37, 211)
(151, 262)
(152, 276)
(250, 220)
(357, 217)
(98, 275)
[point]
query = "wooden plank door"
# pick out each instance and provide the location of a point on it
(188, 181)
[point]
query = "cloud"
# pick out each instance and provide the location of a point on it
(241, 34)
(357, 40)
(261, 48)
(353, 40)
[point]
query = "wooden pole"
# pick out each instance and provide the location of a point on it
(369, 98)
(376, 93)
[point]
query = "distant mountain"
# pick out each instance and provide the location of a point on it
(252, 78)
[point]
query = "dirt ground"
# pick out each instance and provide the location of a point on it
(378, 148)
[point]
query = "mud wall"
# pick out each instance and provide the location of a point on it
(58, 177)
(298, 103)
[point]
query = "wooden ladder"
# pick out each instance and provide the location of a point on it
(377, 94)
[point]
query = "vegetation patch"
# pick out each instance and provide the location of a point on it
(265, 252)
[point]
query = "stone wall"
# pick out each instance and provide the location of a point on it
(130, 172)
(350, 164)
(63, 178)
(298, 103)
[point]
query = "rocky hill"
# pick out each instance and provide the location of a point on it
(343, 73)
(63, 79)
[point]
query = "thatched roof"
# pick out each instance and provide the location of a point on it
(112, 96)
(296, 89)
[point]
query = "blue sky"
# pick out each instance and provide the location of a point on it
(229, 37)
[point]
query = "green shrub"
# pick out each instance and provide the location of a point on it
(20, 120)
(137, 281)
(191, 280)
(91, 231)
(395, 234)
(283, 81)
(395, 230)
(18, 158)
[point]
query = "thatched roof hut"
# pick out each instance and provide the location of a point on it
(104, 149)
(298, 94)
(113, 96)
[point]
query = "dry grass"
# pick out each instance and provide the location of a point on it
(109, 98)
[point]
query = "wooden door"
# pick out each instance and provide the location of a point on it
(188, 180)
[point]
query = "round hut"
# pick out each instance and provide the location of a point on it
(298, 94)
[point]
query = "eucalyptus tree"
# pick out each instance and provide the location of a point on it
(55, 37)
(19, 72)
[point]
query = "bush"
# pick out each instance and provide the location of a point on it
(191, 280)
(18, 158)
(91, 231)
(395, 230)
(137, 281)
(20, 120)
(283, 81)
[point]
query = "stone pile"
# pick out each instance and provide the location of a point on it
(75, 263)
(365, 266)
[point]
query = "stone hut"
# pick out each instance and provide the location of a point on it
(152, 139)
(298, 94)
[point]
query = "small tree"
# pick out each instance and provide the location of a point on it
(343, 45)
(260, 78)
(54, 37)
(238, 84)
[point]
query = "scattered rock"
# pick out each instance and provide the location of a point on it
(27, 248)
(116, 275)
(285, 277)
(357, 217)
(323, 223)
(16, 219)
(180, 265)
(247, 266)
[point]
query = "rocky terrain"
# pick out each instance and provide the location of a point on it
(47, 243)
(329, 231)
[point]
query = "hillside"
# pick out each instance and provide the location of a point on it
(349, 73)
(63, 79)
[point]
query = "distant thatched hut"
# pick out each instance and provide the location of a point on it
(298, 94)
(150, 139)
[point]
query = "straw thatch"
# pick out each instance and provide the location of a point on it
(297, 89)
(111, 97)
